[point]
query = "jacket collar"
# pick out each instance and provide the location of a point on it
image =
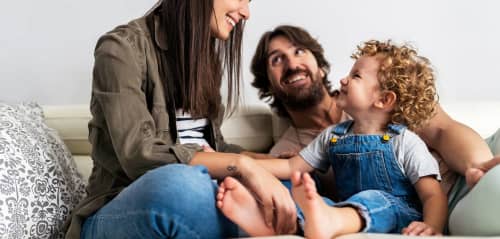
(159, 34)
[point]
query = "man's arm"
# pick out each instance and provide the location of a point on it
(472, 175)
(459, 146)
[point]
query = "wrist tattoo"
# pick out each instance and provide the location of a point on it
(233, 170)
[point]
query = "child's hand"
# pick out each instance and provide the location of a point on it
(420, 229)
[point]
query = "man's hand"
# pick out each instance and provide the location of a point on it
(472, 175)
(419, 229)
(275, 199)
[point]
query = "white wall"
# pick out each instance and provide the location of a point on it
(46, 46)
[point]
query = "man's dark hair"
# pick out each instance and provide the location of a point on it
(300, 38)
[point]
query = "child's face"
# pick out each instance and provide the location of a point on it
(360, 89)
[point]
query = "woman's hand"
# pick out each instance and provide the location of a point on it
(419, 229)
(277, 203)
(472, 175)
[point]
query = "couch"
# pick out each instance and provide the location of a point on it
(253, 127)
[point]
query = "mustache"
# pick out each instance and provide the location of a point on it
(290, 72)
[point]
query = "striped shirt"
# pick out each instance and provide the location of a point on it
(191, 130)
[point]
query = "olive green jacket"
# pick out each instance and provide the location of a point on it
(132, 128)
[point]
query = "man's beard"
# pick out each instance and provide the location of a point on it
(304, 98)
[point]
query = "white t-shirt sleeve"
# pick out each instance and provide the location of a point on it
(316, 152)
(415, 158)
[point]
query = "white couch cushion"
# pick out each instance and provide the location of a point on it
(71, 122)
(250, 127)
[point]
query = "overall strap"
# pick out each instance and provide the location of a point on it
(396, 128)
(342, 128)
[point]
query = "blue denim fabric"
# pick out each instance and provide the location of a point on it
(287, 183)
(367, 177)
(173, 201)
(381, 211)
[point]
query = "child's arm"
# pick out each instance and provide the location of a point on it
(283, 168)
(316, 153)
(435, 208)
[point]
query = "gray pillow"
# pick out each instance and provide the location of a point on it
(494, 142)
(39, 183)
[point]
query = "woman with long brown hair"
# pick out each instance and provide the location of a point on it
(156, 113)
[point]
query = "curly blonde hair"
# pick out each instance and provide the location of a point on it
(409, 76)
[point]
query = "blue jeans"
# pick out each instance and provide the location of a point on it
(381, 211)
(173, 201)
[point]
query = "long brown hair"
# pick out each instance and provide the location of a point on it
(300, 38)
(197, 60)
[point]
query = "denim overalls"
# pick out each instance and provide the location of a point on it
(368, 178)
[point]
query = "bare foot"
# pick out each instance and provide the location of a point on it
(239, 205)
(321, 220)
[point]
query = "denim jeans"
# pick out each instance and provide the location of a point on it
(381, 211)
(173, 201)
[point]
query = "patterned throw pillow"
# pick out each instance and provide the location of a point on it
(39, 183)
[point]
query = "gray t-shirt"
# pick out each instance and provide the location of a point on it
(412, 155)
